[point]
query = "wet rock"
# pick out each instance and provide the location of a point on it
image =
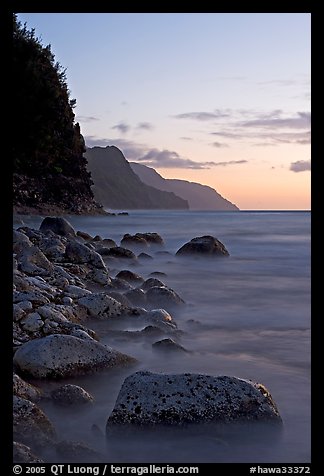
(84, 235)
(163, 296)
(157, 273)
(99, 276)
(30, 424)
(79, 253)
(144, 256)
(122, 298)
(58, 225)
(118, 252)
(25, 390)
(101, 306)
(120, 284)
(58, 356)
(137, 297)
(134, 242)
(148, 399)
(168, 345)
(78, 452)
(97, 238)
(160, 318)
(24, 454)
(150, 283)
(152, 238)
(24, 305)
(203, 245)
(67, 395)
(130, 277)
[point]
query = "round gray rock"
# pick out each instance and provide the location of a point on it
(23, 454)
(203, 245)
(59, 226)
(30, 424)
(148, 399)
(60, 355)
(67, 395)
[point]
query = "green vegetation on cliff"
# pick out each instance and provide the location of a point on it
(48, 163)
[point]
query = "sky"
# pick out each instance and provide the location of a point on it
(217, 98)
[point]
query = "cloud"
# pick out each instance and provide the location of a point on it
(300, 166)
(147, 126)
(86, 118)
(122, 127)
(301, 121)
(218, 144)
(203, 115)
(154, 157)
(186, 138)
(280, 82)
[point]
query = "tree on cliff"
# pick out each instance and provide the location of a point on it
(49, 167)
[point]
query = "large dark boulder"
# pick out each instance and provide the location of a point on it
(203, 245)
(147, 399)
(58, 225)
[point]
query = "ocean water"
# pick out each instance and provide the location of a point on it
(246, 316)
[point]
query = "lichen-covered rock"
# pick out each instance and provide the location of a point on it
(24, 454)
(58, 225)
(57, 356)
(101, 306)
(203, 245)
(30, 424)
(148, 399)
(25, 390)
(67, 395)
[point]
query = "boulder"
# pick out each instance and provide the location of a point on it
(134, 242)
(101, 306)
(32, 261)
(168, 345)
(163, 296)
(58, 225)
(152, 238)
(147, 399)
(57, 356)
(23, 454)
(32, 323)
(30, 424)
(204, 246)
(25, 390)
(160, 318)
(80, 254)
(67, 395)
(144, 256)
(129, 276)
(118, 252)
(151, 282)
(78, 452)
(137, 297)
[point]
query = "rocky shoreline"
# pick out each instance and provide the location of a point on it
(64, 283)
